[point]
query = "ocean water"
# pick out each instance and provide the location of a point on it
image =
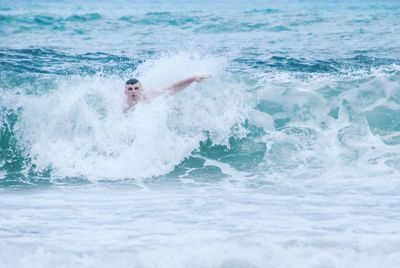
(287, 156)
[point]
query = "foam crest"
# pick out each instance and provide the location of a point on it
(79, 129)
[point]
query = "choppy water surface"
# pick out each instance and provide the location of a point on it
(288, 156)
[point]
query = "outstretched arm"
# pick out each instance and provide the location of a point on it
(178, 86)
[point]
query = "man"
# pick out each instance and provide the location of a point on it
(134, 91)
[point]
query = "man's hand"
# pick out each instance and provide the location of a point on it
(200, 78)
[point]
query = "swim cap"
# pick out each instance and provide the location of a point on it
(132, 81)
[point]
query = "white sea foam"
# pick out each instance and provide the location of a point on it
(286, 223)
(79, 129)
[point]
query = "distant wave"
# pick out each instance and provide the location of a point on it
(50, 61)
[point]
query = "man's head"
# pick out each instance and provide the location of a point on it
(133, 89)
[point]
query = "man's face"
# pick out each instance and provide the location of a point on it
(134, 91)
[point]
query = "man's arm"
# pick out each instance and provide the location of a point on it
(178, 86)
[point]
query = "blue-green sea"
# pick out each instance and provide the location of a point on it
(287, 156)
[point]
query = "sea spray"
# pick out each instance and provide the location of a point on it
(78, 128)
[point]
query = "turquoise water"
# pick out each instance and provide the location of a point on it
(288, 156)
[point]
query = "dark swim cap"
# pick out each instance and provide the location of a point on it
(132, 81)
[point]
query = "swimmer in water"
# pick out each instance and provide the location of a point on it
(134, 91)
